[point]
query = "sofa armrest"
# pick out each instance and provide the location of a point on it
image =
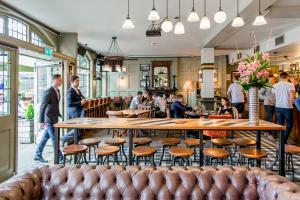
(21, 187)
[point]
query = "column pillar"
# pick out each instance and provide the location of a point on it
(208, 70)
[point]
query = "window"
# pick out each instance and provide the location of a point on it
(17, 29)
(1, 25)
(98, 81)
(84, 75)
(37, 40)
(5, 78)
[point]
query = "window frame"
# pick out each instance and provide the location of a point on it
(85, 86)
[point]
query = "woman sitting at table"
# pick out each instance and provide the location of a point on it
(225, 107)
(178, 108)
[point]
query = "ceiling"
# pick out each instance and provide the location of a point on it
(96, 21)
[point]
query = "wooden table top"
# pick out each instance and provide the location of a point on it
(168, 124)
(136, 112)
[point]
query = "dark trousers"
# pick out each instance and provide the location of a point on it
(269, 112)
(285, 116)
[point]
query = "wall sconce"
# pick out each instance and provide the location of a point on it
(201, 75)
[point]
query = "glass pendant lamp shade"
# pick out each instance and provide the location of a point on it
(205, 23)
(167, 25)
(259, 20)
(179, 28)
(220, 16)
(238, 21)
(153, 15)
(128, 24)
(193, 16)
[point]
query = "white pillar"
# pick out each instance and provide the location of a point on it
(208, 69)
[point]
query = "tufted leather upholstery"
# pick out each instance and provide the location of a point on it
(118, 182)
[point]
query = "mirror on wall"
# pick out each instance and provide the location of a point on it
(161, 74)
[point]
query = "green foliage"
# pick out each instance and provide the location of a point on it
(29, 114)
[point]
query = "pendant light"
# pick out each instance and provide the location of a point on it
(205, 23)
(238, 20)
(220, 16)
(167, 25)
(179, 28)
(193, 16)
(153, 15)
(260, 19)
(128, 24)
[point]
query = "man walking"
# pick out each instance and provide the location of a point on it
(75, 109)
(284, 95)
(237, 95)
(49, 113)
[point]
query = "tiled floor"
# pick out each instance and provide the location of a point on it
(27, 151)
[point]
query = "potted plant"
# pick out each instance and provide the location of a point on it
(254, 73)
(26, 126)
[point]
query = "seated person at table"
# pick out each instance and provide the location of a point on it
(159, 105)
(178, 108)
(225, 107)
(171, 98)
(136, 100)
(146, 100)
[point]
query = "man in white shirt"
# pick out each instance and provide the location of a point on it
(159, 102)
(237, 95)
(136, 100)
(284, 94)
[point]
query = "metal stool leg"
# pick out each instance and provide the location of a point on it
(123, 152)
(162, 155)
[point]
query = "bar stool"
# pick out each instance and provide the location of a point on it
(120, 143)
(221, 142)
(142, 141)
(76, 150)
(167, 143)
(215, 154)
(144, 152)
(193, 143)
(91, 143)
(104, 152)
(252, 154)
(101, 107)
(181, 153)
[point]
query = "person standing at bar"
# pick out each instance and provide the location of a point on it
(49, 114)
(237, 95)
(267, 96)
(284, 95)
(75, 107)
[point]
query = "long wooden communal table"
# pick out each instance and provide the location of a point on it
(135, 112)
(131, 124)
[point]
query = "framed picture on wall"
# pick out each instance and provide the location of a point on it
(143, 83)
(144, 74)
(233, 74)
(144, 67)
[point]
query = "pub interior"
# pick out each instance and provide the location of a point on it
(131, 99)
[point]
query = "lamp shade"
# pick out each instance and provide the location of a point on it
(153, 15)
(220, 16)
(128, 24)
(238, 21)
(193, 16)
(167, 26)
(205, 23)
(189, 85)
(259, 20)
(179, 28)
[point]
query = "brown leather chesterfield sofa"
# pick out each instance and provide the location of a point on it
(118, 182)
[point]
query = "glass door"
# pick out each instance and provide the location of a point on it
(8, 110)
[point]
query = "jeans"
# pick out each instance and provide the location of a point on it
(285, 115)
(49, 133)
(269, 112)
(69, 137)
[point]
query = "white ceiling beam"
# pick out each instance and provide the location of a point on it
(284, 12)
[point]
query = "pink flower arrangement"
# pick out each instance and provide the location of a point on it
(254, 71)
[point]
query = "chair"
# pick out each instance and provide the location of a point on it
(120, 143)
(252, 154)
(118, 102)
(144, 152)
(215, 154)
(90, 143)
(167, 143)
(87, 108)
(182, 154)
(76, 150)
(104, 152)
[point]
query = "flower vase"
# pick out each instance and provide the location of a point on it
(253, 106)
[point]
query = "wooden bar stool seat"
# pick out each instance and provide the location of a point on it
(252, 154)
(77, 150)
(192, 142)
(144, 152)
(105, 152)
(91, 143)
(167, 143)
(117, 141)
(181, 153)
(141, 141)
(243, 142)
(289, 148)
(216, 154)
(221, 142)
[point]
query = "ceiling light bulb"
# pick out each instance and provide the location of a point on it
(128, 24)
(220, 16)
(167, 26)
(259, 20)
(205, 23)
(179, 28)
(238, 22)
(153, 15)
(193, 16)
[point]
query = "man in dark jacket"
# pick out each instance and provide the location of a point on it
(177, 107)
(49, 113)
(75, 109)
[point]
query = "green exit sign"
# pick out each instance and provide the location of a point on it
(48, 51)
